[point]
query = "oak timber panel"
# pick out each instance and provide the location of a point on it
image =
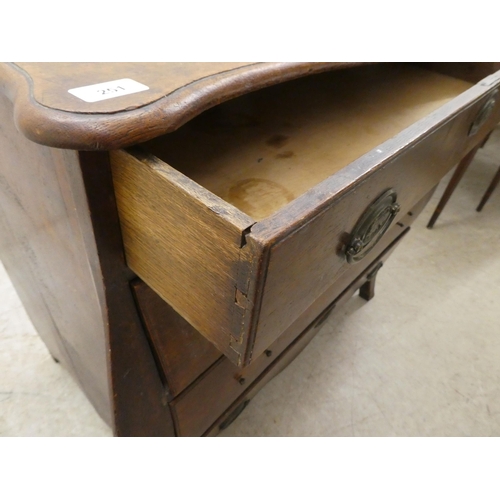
(348, 287)
(185, 243)
(264, 149)
(298, 345)
(182, 352)
(138, 395)
(469, 71)
(202, 403)
(189, 245)
(180, 91)
(51, 81)
(49, 252)
(293, 283)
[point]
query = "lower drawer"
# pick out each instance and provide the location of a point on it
(183, 354)
(223, 386)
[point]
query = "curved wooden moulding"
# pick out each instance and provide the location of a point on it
(46, 113)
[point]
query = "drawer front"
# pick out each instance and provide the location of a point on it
(310, 254)
(197, 408)
(297, 346)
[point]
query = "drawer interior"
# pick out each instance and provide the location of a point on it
(262, 150)
(208, 215)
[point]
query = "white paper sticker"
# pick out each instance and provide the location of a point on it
(108, 90)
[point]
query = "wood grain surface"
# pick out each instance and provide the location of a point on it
(293, 283)
(62, 248)
(179, 92)
(242, 290)
(212, 394)
(202, 383)
(244, 282)
(294, 349)
(139, 397)
(469, 71)
(186, 244)
(182, 352)
(264, 149)
(51, 81)
(48, 249)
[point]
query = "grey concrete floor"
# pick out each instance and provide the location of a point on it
(420, 359)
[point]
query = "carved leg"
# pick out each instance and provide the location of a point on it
(491, 188)
(367, 290)
(459, 172)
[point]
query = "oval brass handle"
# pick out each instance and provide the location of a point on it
(483, 114)
(372, 225)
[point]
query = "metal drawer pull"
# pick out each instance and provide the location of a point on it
(483, 114)
(372, 225)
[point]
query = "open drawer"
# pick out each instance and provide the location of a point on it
(243, 217)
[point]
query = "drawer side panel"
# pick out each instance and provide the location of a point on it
(183, 243)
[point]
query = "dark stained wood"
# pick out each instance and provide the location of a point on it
(300, 342)
(489, 191)
(50, 82)
(198, 407)
(182, 352)
(48, 248)
(316, 225)
(139, 399)
(184, 242)
(471, 72)
(62, 243)
(367, 290)
(454, 118)
(193, 91)
(64, 254)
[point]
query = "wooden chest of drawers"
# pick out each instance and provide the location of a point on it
(228, 214)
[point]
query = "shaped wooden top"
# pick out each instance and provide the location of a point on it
(163, 96)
